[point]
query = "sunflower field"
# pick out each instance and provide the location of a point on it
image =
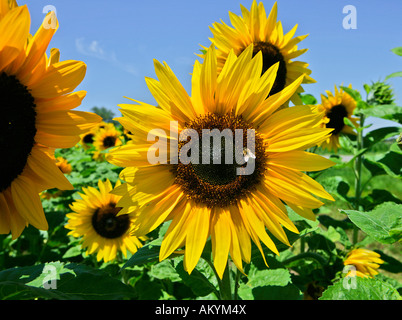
(100, 208)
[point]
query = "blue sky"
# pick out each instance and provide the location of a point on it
(119, 39)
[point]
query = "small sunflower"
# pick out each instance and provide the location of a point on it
(96, 219)
(63, 165)
(254, 27)
(87, 139)
(365, 261)
(36, 101)
(106, 138)
(337, 107)
(213, 200)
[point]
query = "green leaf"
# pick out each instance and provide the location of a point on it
(379, 135)
(389, 164)
(394, 75)
(197, 281)
(71, 281)
(356, 288)
(397, 50)
(384, 223)
(269, 284)
(164, 270)
(308, 99)
(386, 111)
(146, 254)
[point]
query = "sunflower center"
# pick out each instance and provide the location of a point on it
(109, 142)
(271, 55)
(88, 138)
(217, 177)
(336, 115)
(17, 128)
(107, 224)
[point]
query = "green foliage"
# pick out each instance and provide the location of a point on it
(363, 289)
(384, 223)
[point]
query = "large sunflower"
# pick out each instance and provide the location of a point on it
(214, 200)
(254, 27)
(95, 219)
(36, 99)
(336, 107)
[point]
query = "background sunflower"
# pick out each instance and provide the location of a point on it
(106, 138)
(336, 107)
(97, 220)
(366, 262)
(266, 33)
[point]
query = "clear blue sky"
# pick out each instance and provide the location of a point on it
(119, 39)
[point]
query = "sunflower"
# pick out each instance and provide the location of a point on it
(63, 165)
(254, 27)
(36, 101)
(336, 108)
(221, 201)
(365, 261)
(95, 219)
(106, 138)
(87, 139)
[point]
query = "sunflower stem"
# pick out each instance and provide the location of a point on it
(307, 255)
(224, 285)
(358, 171)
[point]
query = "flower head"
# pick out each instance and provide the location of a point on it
(267, 36)
(36, 99)
(231, 202)
(365, 261)
(96, 218)
(336, 107)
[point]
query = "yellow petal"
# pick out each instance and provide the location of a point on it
(27, 202)
(198, 231)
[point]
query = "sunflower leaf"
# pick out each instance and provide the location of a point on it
(55, 280)
(383, 223)
(356, 288)
(397, 50)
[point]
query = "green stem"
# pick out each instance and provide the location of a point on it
(358, 173)
(307, 255)
(236, 288)
(225, 291)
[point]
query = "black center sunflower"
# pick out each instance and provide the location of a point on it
(17, 128)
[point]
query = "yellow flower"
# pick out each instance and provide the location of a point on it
(104, 139)
(96, 219)
(336, 108)
(36, 99)
(220, 201)
(87, 139)
(63, 165)
(266, 33)
(366, 262)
